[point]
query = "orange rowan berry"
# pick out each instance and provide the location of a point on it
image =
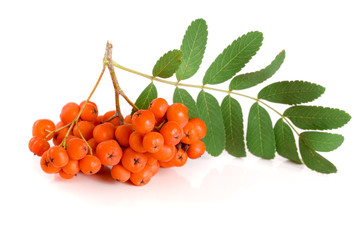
(42, 127)
(103, 132)
(200, 126)
(142, 177)
(179, 159)
(143, 121)
(58, 156)
(65, 175)
(196, 150)
(136, 142)
(152, 163)
(69, 112)
(38, 145)
(158, 107)
(99, 120)
(72, 167)
(90, 165)
(77, 148)
(153, 142)
(110, 114)
(178, 112)
(119, 173)
(127, 119)
(90, 112)
(109, 152)
(165, 154)
(47, 166)
(172, 133)
(191, 134)
(122, 134)
(168, 164)
(86, 129)
(133, 161)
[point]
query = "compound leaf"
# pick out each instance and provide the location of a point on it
(210, 113)
(248, 80)
(291, 92)
(193, 47)
(234, 128)
(233, 58)
(260, 134)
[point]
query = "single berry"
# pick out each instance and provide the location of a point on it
(122, 134)
(42, 127)
(133, 161)
(143, 121)
(90, 165)
(58, 156)
(90, 111)
(191, 134)
(114, 119)
(172, 133)
(77, 148)
(69, 112)
(196, 150)
(158, 107)
(72, 167)
(153, 142)
(165, 154)
(47, 166)
(200, 126)
(178, 112)
(142, 177)
(119, 173)
(84, 129)
(103, 132)
(136, 142)
(109, 152)
(65, 175)
(38, 145)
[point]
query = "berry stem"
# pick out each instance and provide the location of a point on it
(81, 135)
(63, 143)
(118, 90)
(204, 87)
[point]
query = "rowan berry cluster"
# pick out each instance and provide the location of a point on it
(134, 149)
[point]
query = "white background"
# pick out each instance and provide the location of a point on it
(51, 53)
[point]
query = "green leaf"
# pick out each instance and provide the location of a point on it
(260, 134)
(285, 141)
(146, 96)
(322, 141)
(317, 118)
(291, 92)
(234, 128)
(210, 113)
(233, 58)
(182, 96)
(166, 66)
(248, 80)
(315, 161)
(193, 46)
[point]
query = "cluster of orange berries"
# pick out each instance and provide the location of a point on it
(135, 149)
